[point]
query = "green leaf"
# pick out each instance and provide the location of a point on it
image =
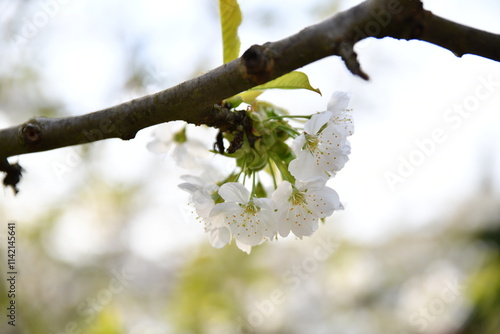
(248, 97)
(292, 80)
(230, 20)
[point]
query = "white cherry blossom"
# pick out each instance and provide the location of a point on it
(250, 219)
(201, 194)
(219, 234)
(323, 148)
(340, 114)
(186, 153)
(300, 206)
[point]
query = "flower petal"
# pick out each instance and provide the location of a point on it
(324, 202)
(291, 218)
(305, 167)
(314, 124)
(247, 249)
(234, 192)
(264, 203)
(284, 227)
(157, 146)
(219, 237)
(302, 222)
(189, 187)
(193, 179)
(183, 158)
(338, 102)
(203, 203)
(220, 210)
(282, 194)
(247, 236)
(298, 143)
(313, 184)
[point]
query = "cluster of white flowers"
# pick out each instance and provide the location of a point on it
(231, 211)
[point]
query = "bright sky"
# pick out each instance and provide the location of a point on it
(408, 108)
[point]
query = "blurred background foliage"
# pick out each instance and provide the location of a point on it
(106, 246)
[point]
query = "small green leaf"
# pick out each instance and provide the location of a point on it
(180, 137)
(247, 97)
(292, 80)
(230, 20)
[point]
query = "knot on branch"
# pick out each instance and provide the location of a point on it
(258, 65)
(31, 133)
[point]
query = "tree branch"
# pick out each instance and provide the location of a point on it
(460, 39)
(193, 101)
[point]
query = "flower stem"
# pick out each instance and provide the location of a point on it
(288, 116)
(254, 185)
(285, 174)
(291, 131)
(271, 171)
